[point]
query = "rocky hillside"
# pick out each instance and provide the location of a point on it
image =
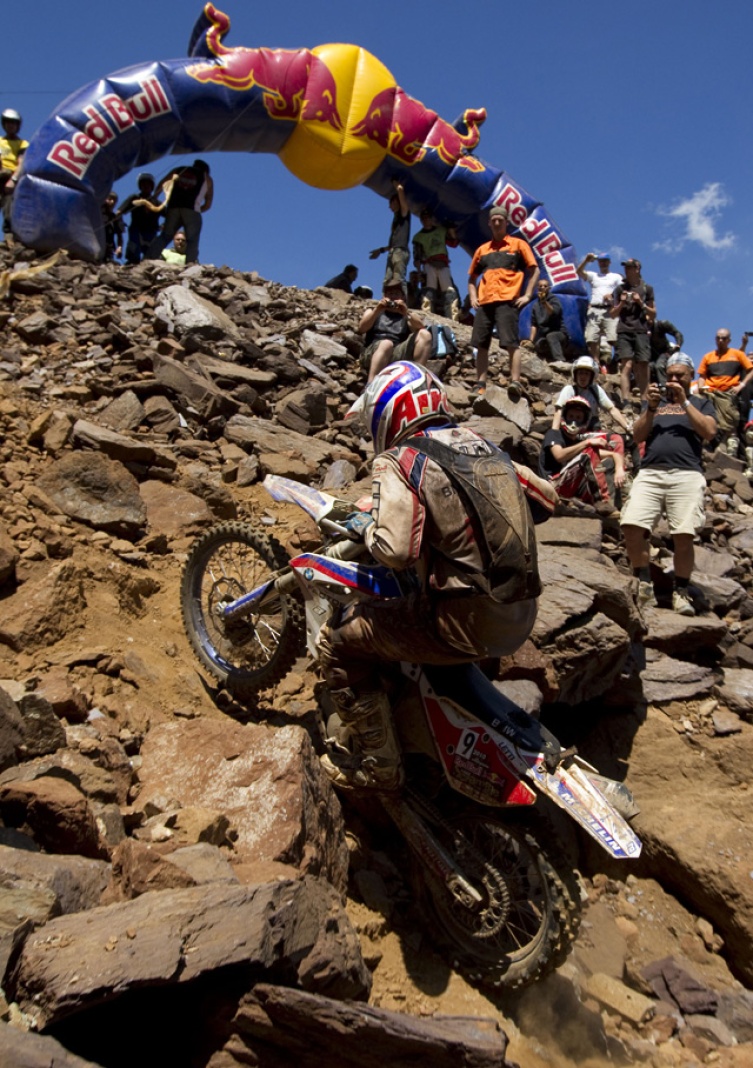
(171, 859)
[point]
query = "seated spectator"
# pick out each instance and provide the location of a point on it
(721, 376)
(176, 254)
(393, 331)
(571, 456)
(114, 229)
(670, 481)
(584, 385)
(662, 347)
(548, 335)
(634, 310)
(344, 280)
(144, 208)
(430, 258)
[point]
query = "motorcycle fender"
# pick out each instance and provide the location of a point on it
(472, 760)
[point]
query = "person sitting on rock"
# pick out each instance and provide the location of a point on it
(393, 331)
(571, 457)
(548, 334)
(585, 370)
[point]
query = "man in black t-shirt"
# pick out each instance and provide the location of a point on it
(634, 310)
(670, 480)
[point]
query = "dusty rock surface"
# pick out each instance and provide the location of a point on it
(139, 804)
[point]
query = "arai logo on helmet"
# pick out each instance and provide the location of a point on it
(412, 405)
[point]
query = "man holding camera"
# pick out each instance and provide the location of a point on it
(670, 480)
(722, 372)
(635, 311)
(393, 331)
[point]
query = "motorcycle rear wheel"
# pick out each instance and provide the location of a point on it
(529, 912)
(254, 652)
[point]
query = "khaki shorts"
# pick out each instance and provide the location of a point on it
(599, 324)
(674, 493)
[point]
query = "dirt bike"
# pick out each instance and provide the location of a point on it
(495, 890)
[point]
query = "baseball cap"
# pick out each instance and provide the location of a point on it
(603, 256)
(632, 263)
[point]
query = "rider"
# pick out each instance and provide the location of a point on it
(418, 520)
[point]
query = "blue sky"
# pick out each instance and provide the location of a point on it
(631, 123)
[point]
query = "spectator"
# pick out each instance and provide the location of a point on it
(365, 292)
(344, 280)
(600, 327)
(670, 480)
(721, 373)
(430, 257)
(501, 266)
(393, 331)
(548, 334)
(12, 148)
(585, 370)
(398, 249)
(176, 254)
(661, 347)
(190, 192)
(572, 454)
(144, 218)
(113, 229)
(634, 309)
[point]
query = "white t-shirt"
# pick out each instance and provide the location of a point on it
(603, 285)
(569, 392)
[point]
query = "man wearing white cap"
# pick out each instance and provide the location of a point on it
(598, 322)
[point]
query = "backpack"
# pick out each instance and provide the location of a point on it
(489, 487)
(443, 341)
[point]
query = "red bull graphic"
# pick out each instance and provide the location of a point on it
(294, 84)
(408, 130)
(333, 114)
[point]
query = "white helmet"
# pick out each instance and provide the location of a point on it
(586, 363)
(401, 399)
(9, 113)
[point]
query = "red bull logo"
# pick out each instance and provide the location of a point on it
(295, 84)
(409, 131)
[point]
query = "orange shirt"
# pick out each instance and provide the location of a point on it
(724, 372)
(502, 266)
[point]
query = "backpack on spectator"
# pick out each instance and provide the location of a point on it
(443, 342)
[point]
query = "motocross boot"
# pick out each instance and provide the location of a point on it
(367, 753)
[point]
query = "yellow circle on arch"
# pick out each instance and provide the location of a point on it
(329, 158)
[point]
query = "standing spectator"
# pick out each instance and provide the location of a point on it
(634, 309)
(393, 331)
(572, 454)
(670, 480)
(496, 275)
(721, 374)
(398, 249)
(430, 256)
(599, 324)
(113, 229)
(585, 370)
(661, 347)
(344, 280)
(190, 191)
(12, 148)
(144, 218)
(176, 254)
(548, 335)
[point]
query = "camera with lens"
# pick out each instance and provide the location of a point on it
(391, 304)
(663, 392)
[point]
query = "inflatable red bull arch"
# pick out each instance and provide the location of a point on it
(333, 114)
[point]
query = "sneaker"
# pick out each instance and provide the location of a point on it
(646, 595)
(479, 389)
(514, 391)
(682, 604)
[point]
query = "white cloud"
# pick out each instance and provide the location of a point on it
(699, 214)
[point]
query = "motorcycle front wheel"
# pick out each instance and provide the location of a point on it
(529, 909)
(253, 652)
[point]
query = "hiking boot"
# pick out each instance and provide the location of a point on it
(682, 604)
(365, 755)
(646, 595)
(514, 391)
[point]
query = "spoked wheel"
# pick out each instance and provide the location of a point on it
(249, 653)
(525, 916)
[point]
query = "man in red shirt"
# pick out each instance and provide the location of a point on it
(722, 374)
(496, 275)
